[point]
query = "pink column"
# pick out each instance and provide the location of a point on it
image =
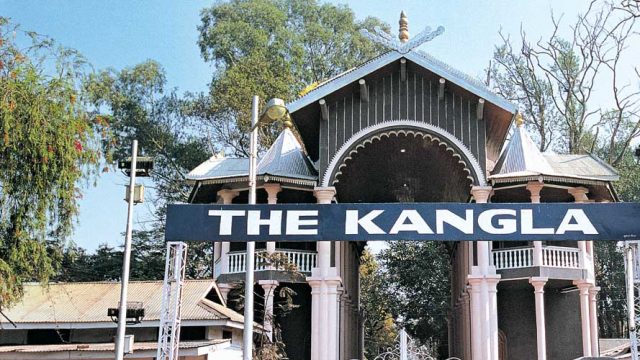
(333, 326)
(272, 190)
(317, 351)
(466, 326)
(538, 285)
(584, 287)
(324, 282)
(227, 198)
(224, 291)
(593, 319)
(534, 188)
(492, 284)
(477, 348)
(580, 196)
(269, 287)
(485, 335)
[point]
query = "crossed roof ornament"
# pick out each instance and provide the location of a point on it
(402, 44)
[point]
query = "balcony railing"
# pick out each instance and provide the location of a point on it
(236, 261)
(561, 257)
(514, 258)
(551, 256)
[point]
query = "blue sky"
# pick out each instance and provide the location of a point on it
(120, 33)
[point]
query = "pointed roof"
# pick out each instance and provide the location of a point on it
(287, 158)
(521, 160)
(421, 58)
(285, 161)
(521, 157)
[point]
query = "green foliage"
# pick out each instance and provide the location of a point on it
(379, 326)
(417, 281)
(48, 144)
(283, 304)
(610, 276)
(137, 104)
(272, 49)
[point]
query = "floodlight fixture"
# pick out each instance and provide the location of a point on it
(144, 166)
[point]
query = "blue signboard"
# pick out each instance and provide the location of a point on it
(403, 221)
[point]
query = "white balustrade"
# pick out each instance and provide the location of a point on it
(561, 257)
(513, 258)
(304, 260)
(522, 257)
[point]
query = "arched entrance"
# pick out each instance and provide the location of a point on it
(403, 161)
(406, 161)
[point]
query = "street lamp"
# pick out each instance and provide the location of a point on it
(274, 111)
(130, 168)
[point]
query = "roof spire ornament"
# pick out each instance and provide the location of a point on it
(403, 34)
(519, 119)
(402, 44)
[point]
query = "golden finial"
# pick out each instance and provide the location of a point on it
(403, 34)
(519, 120)
(288, 123)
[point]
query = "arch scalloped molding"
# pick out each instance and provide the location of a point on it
(365, 136)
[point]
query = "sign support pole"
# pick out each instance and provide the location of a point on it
(250, 257)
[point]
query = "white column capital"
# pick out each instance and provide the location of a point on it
(272, 190)
(584, 286)
(266, 284)
(481, 194)
(227, 195)
(538, 283)
(474, 281)
(324, 195)
(579, 194)
(225, 289)
(534, 188)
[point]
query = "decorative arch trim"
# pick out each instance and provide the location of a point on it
(407, 127)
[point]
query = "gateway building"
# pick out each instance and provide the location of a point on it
(406, 127)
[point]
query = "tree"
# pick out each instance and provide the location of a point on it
(136, 104)
(417, 281)
(379, 325)
(553, 81)
(272, 49)
(49, 143)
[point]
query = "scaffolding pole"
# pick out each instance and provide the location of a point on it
(632, 267)
(170, 315)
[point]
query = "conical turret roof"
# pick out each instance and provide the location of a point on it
(523, 161)
(287, 158)
(521, 157)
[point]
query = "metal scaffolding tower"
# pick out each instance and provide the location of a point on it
(632, 267)
(169, 333)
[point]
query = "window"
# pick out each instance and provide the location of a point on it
(193, 333)
(48, 336)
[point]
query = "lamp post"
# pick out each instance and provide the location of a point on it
(274, 111)
(131, 169)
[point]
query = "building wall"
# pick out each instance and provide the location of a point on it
(562, 311)
(13, 337)
(517, 319)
